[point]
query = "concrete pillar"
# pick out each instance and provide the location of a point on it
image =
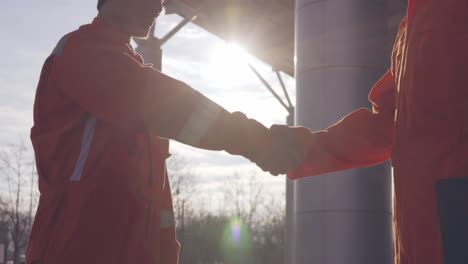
(289, 225)
(342, 217)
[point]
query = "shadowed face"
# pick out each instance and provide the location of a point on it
(141, 15)
(134, 16)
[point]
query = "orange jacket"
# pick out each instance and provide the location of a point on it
(105, 194)
(419, 120)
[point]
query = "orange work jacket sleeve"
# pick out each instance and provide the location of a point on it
(107, 80)
(362, 138)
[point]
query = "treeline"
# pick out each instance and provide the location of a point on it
(247, 226)
(18, 201)
(215, 239)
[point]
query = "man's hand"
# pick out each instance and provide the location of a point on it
(288, 148)
(277, 150)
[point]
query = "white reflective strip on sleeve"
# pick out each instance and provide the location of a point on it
(167, 219)
(199, 122)
(85, 146)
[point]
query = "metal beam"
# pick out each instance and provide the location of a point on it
(176, 29)
(286, 94)
(268, 86)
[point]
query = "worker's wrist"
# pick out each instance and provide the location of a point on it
(247, 137)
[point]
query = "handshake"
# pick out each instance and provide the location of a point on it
(284, 149)
(277, 150)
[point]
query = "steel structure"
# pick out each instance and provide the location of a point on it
(342, 46)
(264, 28)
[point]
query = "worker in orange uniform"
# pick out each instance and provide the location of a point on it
(102, 120)
(420, 121)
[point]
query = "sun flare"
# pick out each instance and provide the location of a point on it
(229, 64)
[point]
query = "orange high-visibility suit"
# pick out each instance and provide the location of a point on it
(420, 121)
(105, 195)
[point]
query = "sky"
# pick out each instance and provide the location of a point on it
(30, 29)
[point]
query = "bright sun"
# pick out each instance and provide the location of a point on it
(229, 64)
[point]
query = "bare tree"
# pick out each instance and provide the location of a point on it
(15, 169)
(204, 233)
(181, 177)
(270, 233)
(244, 196)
